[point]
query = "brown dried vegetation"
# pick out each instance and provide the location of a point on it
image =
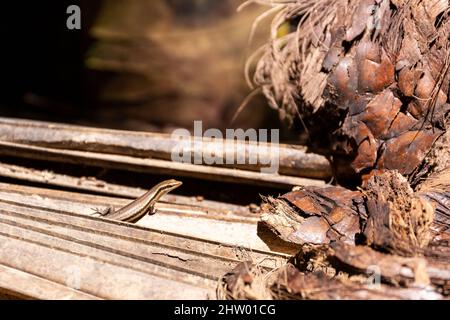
(370, 81)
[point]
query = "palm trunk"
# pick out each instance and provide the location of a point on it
(375, 74)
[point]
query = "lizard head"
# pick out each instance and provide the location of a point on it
(167, 186)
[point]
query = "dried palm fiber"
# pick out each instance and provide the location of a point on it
(346, 237)
(374, 72)
(388, 216)
(338, 271)
(369, 78)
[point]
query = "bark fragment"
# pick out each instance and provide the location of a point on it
(315, 215)
(246, 281)
(393, 269)
(397, 237)
(294, 284)
(399, 221)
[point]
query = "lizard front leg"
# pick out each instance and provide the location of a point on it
(103, 212)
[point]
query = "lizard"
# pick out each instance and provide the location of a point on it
(138, 208)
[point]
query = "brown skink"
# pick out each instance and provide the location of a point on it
(137, 209)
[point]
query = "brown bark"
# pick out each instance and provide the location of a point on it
(396, 230)
(377, 70)
(399, 221)
(315, 215)
(342, 271)
(370, 79)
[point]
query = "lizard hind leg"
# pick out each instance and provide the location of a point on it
(152, 210)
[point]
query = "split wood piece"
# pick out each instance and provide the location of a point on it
(166, 239)
(102, 257)
(175, 169)
(417, 271)
(293, 284)
(94, 185)
(16, 284)
(84, 231)
(68, 259)
(341, 260)
(293, 160)
(340, 272)
(315, 215)
(394, 269)
(89, 204)
(222, 227)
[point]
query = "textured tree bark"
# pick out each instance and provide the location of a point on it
(340, 271)
(375, 72)
(370, 80)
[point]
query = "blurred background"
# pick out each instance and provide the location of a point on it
(150, 65)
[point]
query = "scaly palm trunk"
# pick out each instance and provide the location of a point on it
(370, 79)
(380, 68)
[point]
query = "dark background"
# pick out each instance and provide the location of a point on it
(45, 76)
(43, 62)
